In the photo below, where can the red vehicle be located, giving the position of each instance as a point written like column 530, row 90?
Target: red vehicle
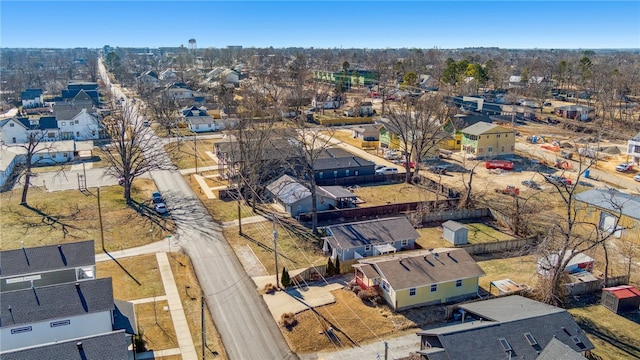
column 412, row 164
column 499, row 164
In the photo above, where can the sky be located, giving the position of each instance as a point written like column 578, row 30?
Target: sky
column 370, row 24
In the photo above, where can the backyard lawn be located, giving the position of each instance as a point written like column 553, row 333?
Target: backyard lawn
column 67, row 216
column 183, row 154
column 479, row 232
column 374, row 195
column 520, row 269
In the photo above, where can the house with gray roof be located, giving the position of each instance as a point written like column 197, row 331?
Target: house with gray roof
column 422, row 277
column 40, row 315
column 333, row 163
column 199, row 120
column 47, row 265
column 8, row 161
column 612, row 210
column 511, row 327
column 369, row 238
column 295, row 198
column 108, row 346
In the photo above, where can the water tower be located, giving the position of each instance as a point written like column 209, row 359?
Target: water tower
column 193, row 46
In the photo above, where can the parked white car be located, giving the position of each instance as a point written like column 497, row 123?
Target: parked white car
column 387, row 170
column 637, row 177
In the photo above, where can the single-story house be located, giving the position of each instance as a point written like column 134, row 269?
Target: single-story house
column 54, row 152
column 633, row 149
column 369, row 238
column 612, row 210
column 168, row 75
column 335, row 163
column 621, row 299
column 488, row 140
column 577, row 112
column 509, row 327
column 367, row 132
column 199, row 120
column 296, row 198
column 417, row 278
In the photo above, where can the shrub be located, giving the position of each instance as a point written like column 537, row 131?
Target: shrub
column 370, row 295
column 285, row 279
column 288, row 320
column 269, row 288
column 356, row 289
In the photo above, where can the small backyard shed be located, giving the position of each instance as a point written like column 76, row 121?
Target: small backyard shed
column 455, row 233
column 621, row 299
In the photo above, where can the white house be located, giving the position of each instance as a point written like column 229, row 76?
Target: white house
column 40, row 315
column 149, row 78
column 32, row 98
column 13, row 131
column 168, row 75
column 633, row 148
column 82, row 126
column 8, row 161
column 179, row 93
column 50, row 153
column 223, row 75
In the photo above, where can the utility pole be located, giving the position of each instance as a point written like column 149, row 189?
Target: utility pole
column 239, row 215
column 100, row 218
column 275, row 248
column 195, row 149
column 204, row 331
column 386, row 351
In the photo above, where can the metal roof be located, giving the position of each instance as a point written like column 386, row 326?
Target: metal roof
column 288, row 190
column 612, row 200
column 481, row 128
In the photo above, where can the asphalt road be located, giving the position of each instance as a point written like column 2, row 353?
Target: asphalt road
column 239, row 313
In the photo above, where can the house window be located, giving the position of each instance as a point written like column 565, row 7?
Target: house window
column 498, row 136
column 480, row 150
column 385, row 285
column 335, row 173
column 60, row 323
column 434, row 287
column 457, row 142
column 209, row 125
column 320, row 175
column 77, row 121
column 51, row 135
column 65, row 155
column 13, row 140
column 506, row 135
column 78, row 133
column 458, row 283
column 346, row 173
column 487, row 136
column 490, row 149
column 511, row 147
column 21, row 330
column 412, row 292
column 355, row 173
column 11, row 124
column 404, row 242
column 502, row 149
column 367, row 248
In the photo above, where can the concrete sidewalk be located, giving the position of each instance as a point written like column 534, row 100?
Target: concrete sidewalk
column 183, row 334
column 171, row 244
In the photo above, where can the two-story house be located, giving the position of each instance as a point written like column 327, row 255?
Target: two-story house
column 485, row 140
column 633, row 149
column 422, row 277
column 32, row 98
column 54, row 307
column 613, row 211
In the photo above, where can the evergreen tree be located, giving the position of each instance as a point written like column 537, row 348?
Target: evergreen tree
column 330, row 268
column 285, row 279
column 336, row 270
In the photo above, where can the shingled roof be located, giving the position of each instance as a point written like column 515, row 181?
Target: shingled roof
column 109, row 346
column 511, row 326
column 55, row 301
column 46, row 258
column 371, row 232
column 420, row 268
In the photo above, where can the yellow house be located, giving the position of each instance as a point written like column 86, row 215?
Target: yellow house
column 419, row 278
column 612, row 210
column 488, row 140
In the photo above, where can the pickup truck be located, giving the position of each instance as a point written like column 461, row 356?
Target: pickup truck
column 624, row 167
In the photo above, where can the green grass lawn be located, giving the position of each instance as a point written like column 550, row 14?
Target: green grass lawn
column 67, row 216
column 521, row 269
column 479, row 232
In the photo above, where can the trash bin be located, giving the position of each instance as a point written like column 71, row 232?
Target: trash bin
column 587, row 173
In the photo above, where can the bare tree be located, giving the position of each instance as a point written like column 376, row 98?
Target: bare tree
column 134, row 149
column 570, row 234
column 418, row 127
column 164, row 109
column 36, row 152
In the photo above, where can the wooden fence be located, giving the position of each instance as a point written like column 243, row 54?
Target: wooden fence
column 442, row 216
column 355, row 214
column 362, row 179
column 437, row 187
column 589, row 287
column 523, row 245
